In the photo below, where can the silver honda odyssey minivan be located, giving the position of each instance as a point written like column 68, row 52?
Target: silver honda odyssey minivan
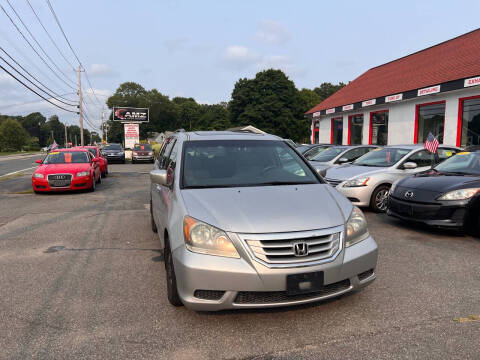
column 245, row 221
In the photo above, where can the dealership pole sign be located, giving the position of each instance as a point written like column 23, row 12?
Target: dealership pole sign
column 131, row 114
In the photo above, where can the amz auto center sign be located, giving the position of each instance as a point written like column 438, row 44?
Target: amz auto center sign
column 129, row 114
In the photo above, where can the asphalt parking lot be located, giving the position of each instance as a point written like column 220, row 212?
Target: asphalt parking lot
column 82, row 276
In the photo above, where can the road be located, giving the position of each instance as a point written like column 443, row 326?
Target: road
column 82, row 277
column 10, row 164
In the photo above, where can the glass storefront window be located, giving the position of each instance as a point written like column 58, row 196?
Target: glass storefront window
column 470, row 122
column 430, row 118
column 355, row 127
column 379, row 128
column 337, row 131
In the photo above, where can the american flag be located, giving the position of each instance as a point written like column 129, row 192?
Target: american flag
column 431, row 144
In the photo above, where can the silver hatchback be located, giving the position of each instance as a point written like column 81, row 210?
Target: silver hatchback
column 245, row 221
column 367, row 181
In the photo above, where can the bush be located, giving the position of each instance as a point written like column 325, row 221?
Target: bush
column 13, row 137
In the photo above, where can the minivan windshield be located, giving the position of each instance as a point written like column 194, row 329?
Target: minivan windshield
column 233, row 163
column 328, row 154
column 462, row 163
column 382, row 157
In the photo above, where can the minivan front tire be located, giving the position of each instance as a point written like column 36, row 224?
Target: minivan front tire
column 172, row 290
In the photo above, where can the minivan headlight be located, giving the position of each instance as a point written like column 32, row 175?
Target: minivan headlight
column 357, row 182
column 356, row 227
column 461, row 194
column 206, row 239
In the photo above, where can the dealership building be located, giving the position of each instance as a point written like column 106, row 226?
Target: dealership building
column 434, row 90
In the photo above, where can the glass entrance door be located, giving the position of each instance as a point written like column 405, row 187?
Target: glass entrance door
column 337, row 131
column 379, row 128
column 470, row 132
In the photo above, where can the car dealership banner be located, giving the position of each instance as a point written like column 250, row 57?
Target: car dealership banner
column 130, row 114
column 132, row 135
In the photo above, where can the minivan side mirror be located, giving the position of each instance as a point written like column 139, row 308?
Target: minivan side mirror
column 410, row 165
column 342, row 160
column 158, row 177
column 39, row 161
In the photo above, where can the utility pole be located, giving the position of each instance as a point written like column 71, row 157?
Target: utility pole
column 103, row 117
column 80, row 107
column 66, row 138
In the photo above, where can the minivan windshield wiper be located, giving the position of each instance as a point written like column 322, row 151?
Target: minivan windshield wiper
column 269, row 183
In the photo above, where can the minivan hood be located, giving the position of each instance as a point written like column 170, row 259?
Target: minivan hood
column 348, row 171
column 268, row 209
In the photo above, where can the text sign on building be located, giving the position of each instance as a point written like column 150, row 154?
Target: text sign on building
column 429, row 90
column 395, row 97
column 316, row 114
column 129, row 114
column 369, row 102
column 472, row 81
column 330, row 111
column 347, row 107
column 132, row 135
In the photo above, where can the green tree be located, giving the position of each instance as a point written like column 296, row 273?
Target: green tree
column 327, row 89
column 12, row 135
column 34, row 123
column 309, row 99
column 270, row 102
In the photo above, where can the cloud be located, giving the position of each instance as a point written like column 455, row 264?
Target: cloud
column 239, row 57
column 282, row 62
column 272, row 32
column 101, row 70
column 175, row 44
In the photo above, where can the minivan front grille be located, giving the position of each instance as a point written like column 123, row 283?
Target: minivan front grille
column 333, row 182
column 294, row 249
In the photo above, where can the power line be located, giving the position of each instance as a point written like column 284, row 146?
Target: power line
column 27, row 102
column 31, row 82
column 29, row 88
column 40, row 46
column 33, row 48
column 16, row 62
column 71, row 48
column 49, row 36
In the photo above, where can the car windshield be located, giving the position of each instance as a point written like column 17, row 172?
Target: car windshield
column 222, row 163
column 63, row 157
column 382, row 157
column 328, row 154
column 463, row 163
column 142, row 147
column 93, row 152
column 313, row 152
column 113, row 147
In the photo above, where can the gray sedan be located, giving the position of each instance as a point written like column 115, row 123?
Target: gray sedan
column 337, row 155
column 367, row 181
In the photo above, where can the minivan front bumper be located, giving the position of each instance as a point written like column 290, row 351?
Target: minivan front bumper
column 211, row 283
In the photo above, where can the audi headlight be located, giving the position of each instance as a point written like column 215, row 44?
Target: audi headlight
column 461, row 194
column 356, row 227
column 357, row 182
column 83, row 173
column 207, row 239
column 38, row 176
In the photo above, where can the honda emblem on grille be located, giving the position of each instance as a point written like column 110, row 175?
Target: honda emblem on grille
column 300, row 249
column 409, row 194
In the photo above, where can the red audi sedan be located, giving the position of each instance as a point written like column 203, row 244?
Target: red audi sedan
column 103, row 162
column 67, row 169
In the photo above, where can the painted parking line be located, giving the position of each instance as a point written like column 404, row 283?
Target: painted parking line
column 19, row 171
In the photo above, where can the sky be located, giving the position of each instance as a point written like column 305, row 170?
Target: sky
column 200, row 49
